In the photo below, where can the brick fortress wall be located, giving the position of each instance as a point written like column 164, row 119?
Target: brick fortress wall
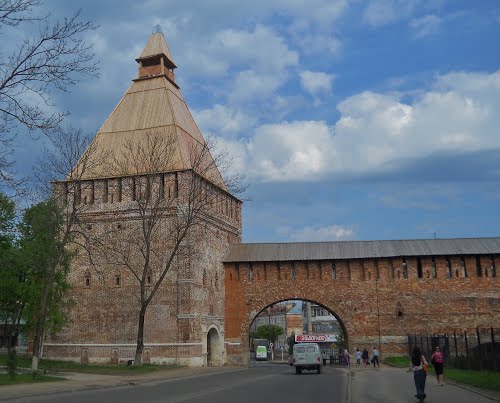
column 187, row 305
column 377, row 301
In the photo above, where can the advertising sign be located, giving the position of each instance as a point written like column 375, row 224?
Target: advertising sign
column 314, row 338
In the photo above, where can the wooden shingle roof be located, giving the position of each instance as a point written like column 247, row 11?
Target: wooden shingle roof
column 300, row 251
column 151, row 105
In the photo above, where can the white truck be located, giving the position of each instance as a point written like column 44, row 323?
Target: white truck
column 307, row 356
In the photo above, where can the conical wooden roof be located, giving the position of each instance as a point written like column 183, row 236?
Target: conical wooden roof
column 152, row 104
column 157, row 45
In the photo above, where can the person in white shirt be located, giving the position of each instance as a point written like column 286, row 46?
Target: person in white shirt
column 358, row 358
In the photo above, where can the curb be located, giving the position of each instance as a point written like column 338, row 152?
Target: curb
column 116, row 384
column 478, row 391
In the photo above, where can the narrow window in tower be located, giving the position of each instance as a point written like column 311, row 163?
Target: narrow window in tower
column 434, row 268
column 334, row 271
column 448, row 267
column 92, row 192
column 133, row 188
column 479, row 270
column 493, row 267
column 377, row 271
column 362, row 266
column 118, row 280
column 293, row 272
column 405, row 268
column 250, row 272
column 120, row 190
column 149, row 180
column 204, row 278
column 419, row 267
column 161, row 190
column 105, row 191
column 66, row 192
column 78, row 193
column 176, row 185
column 464, row 267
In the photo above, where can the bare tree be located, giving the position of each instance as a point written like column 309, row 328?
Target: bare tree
column 170, row 206
column 53, row 60
column 72, row 152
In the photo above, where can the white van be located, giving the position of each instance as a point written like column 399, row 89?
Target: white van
column 306, row 356
column 261, row 353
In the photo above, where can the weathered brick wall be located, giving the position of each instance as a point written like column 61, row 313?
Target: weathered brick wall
column 377, row 301
column 189, row 302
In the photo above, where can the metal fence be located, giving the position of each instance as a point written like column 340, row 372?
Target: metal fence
column 478, row 349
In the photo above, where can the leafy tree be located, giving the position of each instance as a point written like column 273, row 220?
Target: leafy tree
column 45, row 260
column 269, row 332
column 11, row 300
column 290, row 341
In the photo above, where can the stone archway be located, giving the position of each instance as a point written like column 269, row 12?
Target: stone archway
column 214, row 350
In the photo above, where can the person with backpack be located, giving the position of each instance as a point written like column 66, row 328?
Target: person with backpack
column 419, row 367
column 365, row 356
column 437, row 360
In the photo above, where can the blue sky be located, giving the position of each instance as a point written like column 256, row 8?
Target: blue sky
column 351, row 119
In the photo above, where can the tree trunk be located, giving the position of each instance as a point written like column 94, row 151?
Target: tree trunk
column 40, row 324
column 140, row 337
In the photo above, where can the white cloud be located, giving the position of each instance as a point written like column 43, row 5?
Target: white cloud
column 377, row 132
column 250, row 85
column 315, row 234
column 222, row 120
column 425, row 26
column 291, row 151
column 261, row 50
column 382, row 12
column 316, row 82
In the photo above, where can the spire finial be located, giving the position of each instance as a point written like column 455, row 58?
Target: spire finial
column 157, row 29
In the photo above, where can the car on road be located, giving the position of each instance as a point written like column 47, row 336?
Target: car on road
column 307, row 356
column 261, row 353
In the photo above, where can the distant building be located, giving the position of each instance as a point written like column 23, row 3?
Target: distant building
column 285, row 315
column 320, row 322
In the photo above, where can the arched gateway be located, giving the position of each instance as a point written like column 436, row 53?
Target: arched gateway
column 380, row 290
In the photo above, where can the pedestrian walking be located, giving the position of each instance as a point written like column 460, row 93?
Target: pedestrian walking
column 358, row 358
column 365, row 356
column 419, row 369
column 375, row 357
column 347, row 358
column 437, row 360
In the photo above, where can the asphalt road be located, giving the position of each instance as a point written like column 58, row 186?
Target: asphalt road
column 262, row 383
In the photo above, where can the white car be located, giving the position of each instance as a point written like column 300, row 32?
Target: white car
column 307, row 356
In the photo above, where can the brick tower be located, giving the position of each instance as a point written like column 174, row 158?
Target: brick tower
column 150, row 151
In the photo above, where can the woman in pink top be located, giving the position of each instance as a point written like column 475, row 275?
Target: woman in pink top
column 437, row 359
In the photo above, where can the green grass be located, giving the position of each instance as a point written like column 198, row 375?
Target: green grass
column 5, row 379
column 480, row 379
column 67, row 366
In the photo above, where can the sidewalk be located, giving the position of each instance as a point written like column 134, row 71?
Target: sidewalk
column 80, row 381
column 395, row 385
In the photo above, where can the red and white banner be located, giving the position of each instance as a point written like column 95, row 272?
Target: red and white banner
column 315, row 338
